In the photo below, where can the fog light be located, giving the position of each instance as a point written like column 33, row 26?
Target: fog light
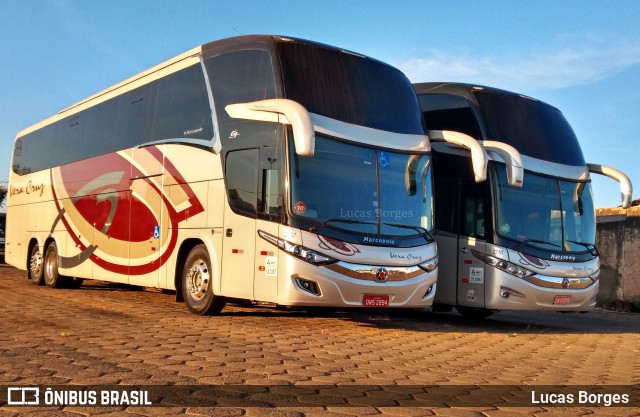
column 307, row 285
column 429, row 291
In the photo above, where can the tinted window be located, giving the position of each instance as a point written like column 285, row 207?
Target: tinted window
column 460, row 202
column 534, row 128
column 240, row 77
column 448, row 112
column 242, row 180
column 271, row 201
column 135, row 112
column 176, row 106
column 182, row 107
column 348, row 87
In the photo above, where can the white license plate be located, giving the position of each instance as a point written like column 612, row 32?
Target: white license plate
column 376, row 301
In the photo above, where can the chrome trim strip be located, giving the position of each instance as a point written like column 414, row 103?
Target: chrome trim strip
column 570, row 172
column 368, row 272
column 563, row 283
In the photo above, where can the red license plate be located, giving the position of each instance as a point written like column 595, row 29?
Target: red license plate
column 376, row 301
column 562, row 300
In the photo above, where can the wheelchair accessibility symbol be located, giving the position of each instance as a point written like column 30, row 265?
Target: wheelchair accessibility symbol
column 156, row 232
column 383, row 159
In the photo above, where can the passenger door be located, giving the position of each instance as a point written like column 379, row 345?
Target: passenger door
column 270, row 206
column 471, row 270
column 239, row 235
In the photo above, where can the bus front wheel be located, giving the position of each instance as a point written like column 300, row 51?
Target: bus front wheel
column 197, row 283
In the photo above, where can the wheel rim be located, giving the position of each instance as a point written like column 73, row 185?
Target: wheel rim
column 50, row 266
column 35, row 265
column 198, row 280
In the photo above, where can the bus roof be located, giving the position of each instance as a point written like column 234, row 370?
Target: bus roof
column 465, row 90
column 174, row 64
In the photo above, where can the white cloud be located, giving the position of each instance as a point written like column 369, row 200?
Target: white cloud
column 570, row 61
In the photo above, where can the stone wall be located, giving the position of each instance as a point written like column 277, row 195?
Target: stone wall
column 618, row 240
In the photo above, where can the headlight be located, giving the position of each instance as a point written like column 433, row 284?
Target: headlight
column 299, row 251
column 430, row 265
column 501, row 264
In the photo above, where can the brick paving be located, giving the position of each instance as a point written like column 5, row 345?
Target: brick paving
column 112, row 335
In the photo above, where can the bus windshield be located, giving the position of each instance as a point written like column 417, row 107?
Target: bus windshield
column 359, row 90
column 362, row 189
column 534, row 128
column 548, row 213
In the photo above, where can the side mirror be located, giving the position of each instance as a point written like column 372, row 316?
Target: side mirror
column 511, row 156
column 626, row 189
column 479, row 157
column 270, row 110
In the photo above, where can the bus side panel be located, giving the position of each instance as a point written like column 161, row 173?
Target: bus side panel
column 172, row 273
column 194, row 190
column 447, row 290
column 265, row 285
column 215, row 220
column 16, row 243
column 190, row 227
column 31, row 214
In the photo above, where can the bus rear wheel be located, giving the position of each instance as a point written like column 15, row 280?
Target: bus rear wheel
column 52, row 277
column 35, row 266
column 197, row 283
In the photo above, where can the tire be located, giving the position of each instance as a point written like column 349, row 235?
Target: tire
column 197, row 284
column 52, row 277
column 475, row 313
column 36, row 266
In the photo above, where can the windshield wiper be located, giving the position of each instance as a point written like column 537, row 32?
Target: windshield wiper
column 590, row 246
column 527, row 241
column 419, row 229
column 339, row 220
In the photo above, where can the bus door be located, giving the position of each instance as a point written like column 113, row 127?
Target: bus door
column 239, row 234
column 471, row 270
column 250, row 263
column 270, row 206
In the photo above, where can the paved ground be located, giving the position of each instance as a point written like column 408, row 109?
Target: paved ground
column 100, row 335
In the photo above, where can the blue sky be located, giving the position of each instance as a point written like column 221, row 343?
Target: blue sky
column 580, row 56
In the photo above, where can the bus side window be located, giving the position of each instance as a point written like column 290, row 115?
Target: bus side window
column 242, row 181
column 182, row 108
column 270, row 198
column 474, row 217
column 472, row 198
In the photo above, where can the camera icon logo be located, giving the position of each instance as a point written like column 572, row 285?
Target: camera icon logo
column 23, row 396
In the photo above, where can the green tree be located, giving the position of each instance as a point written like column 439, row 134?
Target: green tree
column 3, row 194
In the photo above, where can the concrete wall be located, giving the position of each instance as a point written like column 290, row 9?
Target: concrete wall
column 618, row 240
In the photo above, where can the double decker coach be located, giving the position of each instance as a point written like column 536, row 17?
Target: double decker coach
column 524, row 238
column 262, row 168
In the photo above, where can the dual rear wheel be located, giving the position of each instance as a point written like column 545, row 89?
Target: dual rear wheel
column 44, row 269
column 197, row 278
